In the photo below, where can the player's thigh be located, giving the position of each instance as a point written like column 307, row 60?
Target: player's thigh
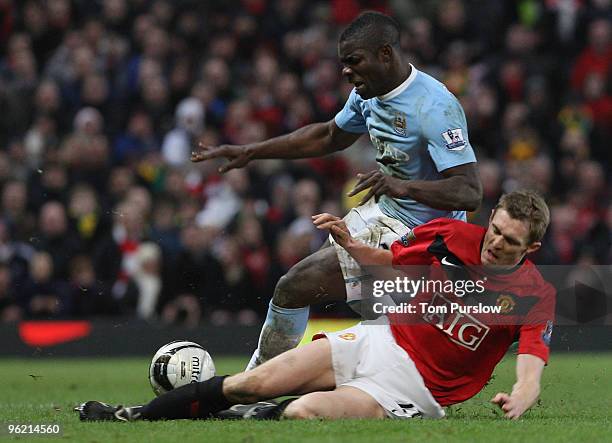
column 343, row 402
column 298, row 371
column 315, row 279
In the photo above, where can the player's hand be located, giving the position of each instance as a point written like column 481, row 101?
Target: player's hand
column 379, row 184
column 512, row 405
column 337, row 228
column 237, row 155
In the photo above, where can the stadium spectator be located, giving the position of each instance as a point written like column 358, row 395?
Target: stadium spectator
column 50, row 183
column 177, row 145
column 115, row 256
column 194, row 278
column 595, row 59
column 165, row 228
column 14, row 210
column 138, row 140
column 148, row 279
column 86, row 217
column 56, row 238
column 44, row 295
column 87, row 296
column 239, row 284
column 15, row 255
column 10, row 311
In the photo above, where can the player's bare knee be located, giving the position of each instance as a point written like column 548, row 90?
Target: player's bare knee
column 282, row 292
column 288, row 293
column 302, row 408
column 314, row 279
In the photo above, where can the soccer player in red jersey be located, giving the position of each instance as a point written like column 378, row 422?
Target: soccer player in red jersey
column 404, row 364
column 457, row 356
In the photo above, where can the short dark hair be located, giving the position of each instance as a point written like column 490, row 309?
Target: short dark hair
column 527, row 205
column 374, row 30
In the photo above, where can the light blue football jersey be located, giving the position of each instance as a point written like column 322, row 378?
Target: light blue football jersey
column 418, row 130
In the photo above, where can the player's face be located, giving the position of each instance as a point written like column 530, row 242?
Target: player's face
column 506, row 241
column 362, row 68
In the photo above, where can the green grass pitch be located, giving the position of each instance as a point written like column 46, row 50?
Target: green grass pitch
column 575, row 406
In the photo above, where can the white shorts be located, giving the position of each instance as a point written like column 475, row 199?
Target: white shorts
column 367, row 357
column 370, row 225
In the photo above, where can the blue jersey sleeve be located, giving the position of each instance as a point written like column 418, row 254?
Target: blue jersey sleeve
column 445, row 129
column 350, row 118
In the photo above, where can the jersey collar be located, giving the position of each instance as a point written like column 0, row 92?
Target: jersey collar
column 402, row 87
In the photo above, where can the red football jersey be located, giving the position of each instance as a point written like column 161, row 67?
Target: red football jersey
column 456, row 352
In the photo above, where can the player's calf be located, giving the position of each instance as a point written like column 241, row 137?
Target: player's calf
column 248, row 387
column 315, row 279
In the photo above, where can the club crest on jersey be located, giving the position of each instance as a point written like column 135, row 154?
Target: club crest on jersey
column 506, row 303
column 454, row 139
column 399, row 123
column 547, row 332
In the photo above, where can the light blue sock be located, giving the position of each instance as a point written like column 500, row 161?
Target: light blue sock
column 282, row 330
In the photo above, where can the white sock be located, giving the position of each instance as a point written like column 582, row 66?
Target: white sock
column 282, row 330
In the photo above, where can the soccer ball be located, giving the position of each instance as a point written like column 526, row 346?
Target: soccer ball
column 179, row 363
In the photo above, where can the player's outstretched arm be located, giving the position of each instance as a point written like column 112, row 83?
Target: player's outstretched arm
column 312, row 140
column 526, row 390
column 364, row 254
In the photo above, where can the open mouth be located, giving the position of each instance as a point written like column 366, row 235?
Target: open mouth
column 490, row 255
column 359, row 85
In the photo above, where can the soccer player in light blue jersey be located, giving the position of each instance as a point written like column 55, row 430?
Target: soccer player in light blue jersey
column 427, row 169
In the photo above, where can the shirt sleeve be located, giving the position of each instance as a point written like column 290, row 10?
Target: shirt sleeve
column 411, row 248
column 536, row 330
column 445, row 129
column 350, row 118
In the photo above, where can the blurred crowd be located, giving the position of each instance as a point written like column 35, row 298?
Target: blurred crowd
column 102, row 102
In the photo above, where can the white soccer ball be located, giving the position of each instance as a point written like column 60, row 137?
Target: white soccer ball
column 179, row 363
